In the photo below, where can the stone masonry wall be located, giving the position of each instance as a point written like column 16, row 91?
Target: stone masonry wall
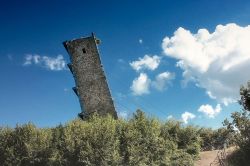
column 91, row 85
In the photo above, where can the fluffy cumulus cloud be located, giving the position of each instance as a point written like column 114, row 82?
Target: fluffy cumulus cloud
column 162, row 80
column 56, row 64
column 209, row 110
column 217, row 61
column 147, row 62
column 186, row 116
column 141, row 85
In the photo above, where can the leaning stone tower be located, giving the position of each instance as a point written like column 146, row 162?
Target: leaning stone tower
column 91, row 85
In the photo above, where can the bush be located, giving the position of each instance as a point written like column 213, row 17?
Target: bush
column 25, row 145
column 207, row 139
column 185, row 138
column 181, row 158
column 240, row 127
column 101, row 141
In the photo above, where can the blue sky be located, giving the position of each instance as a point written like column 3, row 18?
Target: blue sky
column 36, row 86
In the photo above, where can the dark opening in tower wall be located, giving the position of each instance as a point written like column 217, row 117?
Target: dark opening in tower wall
column 84, row 50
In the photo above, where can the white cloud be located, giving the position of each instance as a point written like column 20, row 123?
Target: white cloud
column 187, row 116
column 140, row 41
column 209, row 110
column 217, row 61
column 55, row 64
column 162, row 80
column 123, row 114
column 147, row 62
column 141, row 85
column 170, row 117
column 210, row 95
column 28, row 60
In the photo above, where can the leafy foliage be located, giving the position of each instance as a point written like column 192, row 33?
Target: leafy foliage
column 215, row 139
column 240, row 127
column 101, row 141
column 24, row 145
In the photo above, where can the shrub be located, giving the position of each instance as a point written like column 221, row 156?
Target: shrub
column 207, row 139
column 240, row 127
column 181, row 158
column 25, row 145
column 140, row 140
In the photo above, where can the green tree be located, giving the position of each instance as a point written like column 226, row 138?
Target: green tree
column 25, row 145
column 241, row 129
column 141, row 143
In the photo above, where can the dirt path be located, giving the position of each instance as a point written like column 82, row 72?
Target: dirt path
column 207, row 157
